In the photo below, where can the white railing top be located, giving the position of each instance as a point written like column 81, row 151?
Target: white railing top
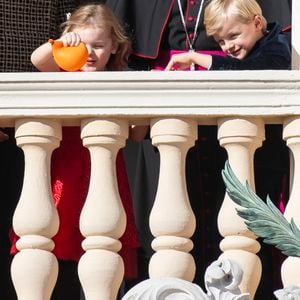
column 146, row 94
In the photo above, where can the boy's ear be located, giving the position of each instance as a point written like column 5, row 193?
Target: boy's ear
column 258, row 21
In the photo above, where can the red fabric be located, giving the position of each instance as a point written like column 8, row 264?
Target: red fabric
column 284, row 195
column 287, row 28
column 70, row 174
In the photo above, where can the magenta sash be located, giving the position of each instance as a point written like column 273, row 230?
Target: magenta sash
column 164, row 57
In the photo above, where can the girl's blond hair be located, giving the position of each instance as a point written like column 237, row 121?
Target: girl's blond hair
column 218, row 11
column 100, row 16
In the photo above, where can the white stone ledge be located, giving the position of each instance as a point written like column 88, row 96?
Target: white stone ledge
column 270, row 94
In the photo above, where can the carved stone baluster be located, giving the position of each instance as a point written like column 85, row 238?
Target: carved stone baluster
column 290, row 270
column 103, row 218
column 240, row 138
column 172, row 221
column 34, row 269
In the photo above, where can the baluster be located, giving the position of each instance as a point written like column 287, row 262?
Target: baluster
column 103, row 219
column 172, row 221
column 240, row 138
column 34, row 269
column 290, row 270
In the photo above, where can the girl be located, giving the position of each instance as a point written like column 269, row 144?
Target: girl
column 98, row 28
column 108, row 47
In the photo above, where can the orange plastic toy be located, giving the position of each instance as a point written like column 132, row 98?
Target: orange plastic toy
column 69, row 58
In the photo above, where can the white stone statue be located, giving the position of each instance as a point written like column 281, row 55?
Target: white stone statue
column 289, row 293
column 222, row 278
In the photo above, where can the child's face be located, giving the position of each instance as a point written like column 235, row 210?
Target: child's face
column 237, row 39
column 100, row 46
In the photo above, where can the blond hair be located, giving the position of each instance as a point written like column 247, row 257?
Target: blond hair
column 100, row 16
column 218, row 11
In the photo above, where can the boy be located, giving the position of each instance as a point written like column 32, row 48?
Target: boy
column 243, row 34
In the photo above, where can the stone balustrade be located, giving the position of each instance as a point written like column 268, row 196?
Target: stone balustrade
column 173, row 104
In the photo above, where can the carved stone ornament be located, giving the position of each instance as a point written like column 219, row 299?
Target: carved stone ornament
column 289, row 293
column 264, row 219
column 222, row 278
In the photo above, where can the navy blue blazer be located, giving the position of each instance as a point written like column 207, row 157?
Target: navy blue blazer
column 272, row 52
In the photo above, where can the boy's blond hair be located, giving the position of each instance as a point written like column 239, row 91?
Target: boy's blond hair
column 218, row 11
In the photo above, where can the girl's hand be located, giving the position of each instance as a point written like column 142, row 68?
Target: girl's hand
column 180, row 61
column 70, row 39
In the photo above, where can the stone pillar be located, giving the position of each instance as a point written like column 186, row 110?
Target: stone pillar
column 240, row 137
column 103, row 219
column 172, row 221
column 34, row 269
column 290, row 270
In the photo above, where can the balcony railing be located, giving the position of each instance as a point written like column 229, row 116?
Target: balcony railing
column 104, row 104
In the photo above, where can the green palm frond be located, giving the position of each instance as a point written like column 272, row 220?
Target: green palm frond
column 264, row 219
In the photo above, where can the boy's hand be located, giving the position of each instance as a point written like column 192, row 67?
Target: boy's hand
column 183, row 61
column 70, row 39
column 180, row 61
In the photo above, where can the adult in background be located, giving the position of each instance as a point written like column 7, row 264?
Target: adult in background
column 24, row 26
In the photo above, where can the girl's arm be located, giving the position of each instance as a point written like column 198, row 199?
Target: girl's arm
column 184, row 60
column 42, row 57
column 43, row 60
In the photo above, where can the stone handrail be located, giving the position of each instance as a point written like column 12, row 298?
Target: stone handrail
column 149, row 94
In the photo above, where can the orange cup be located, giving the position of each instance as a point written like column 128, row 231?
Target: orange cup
column 71, row 58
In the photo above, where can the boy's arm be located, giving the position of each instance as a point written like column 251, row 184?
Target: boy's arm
column 266, row 61
column 272, row 55
column 184, row 60
column 269, row 61
column 43, row 60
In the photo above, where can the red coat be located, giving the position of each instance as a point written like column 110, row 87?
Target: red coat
column 70, row 174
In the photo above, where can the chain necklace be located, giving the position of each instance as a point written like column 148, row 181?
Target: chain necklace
column 191, row 42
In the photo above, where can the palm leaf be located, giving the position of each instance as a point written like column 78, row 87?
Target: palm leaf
column 264, row 219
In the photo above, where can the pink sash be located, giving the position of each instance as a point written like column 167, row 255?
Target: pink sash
column 164, row 57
